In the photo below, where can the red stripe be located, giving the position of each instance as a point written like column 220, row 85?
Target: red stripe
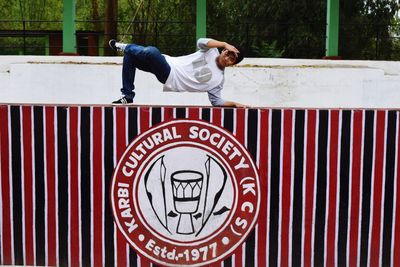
column 355, row 187
column 121, row 145
column 216, row 116
column 74, row 186
column 97, row 190
column 396, row 241
column 240, row 127
column 144, row 119
column 51, row 203
column 194, row 113
column 377, row 193
column 286, row 185
column 28, row 184
column 240, row 124
column 263, row 171
column 332, row 187
column 168, row 114
column 6, row 247
column 309, row 194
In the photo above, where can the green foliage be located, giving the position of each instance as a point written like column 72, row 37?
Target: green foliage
column 267, row 28
column 265, row 49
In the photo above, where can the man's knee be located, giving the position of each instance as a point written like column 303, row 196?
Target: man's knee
column 151, row 51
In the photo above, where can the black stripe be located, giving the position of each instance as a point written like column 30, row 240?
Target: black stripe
column 228, row 262
column 252, row 144
column 228, row 119
column 298, row 187
column 320, row 204
column 274, row 189
column 85, row 186
column 132, row 257
column 155, row 116
column 108, row 170
column 389, row 187
column 39, row 186
column 344, row 181
column 180, row 113
column 205, row 114
column 62, row 161
column 16, row 183
column 366, row 185
column 132, row 123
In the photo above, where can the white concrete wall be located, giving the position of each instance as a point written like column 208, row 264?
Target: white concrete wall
column 257, row 82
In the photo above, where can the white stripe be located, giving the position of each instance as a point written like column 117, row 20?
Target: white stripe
column 304, row 183
column 91, row 190
column 126, row 144
column 243, row 247
column 56, row 181
column 269, row 185
column 102, row 184
column 282, row 140
column 315, row 184
column 258, row 165
column 291, row 188
column 139, row 117
column 33, row 200
column 348, row 234
column 1, row 209
column 69, row 181
column 46, row 195
column 22, row 184
column 79, row 186
column 162, row 115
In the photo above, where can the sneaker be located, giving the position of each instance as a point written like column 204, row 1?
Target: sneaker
column 118, row 47
column 123, row 101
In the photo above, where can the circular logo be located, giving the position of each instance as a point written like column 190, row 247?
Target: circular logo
column 185, row 192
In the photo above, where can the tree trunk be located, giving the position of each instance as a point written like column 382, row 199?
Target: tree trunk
column 110, row 26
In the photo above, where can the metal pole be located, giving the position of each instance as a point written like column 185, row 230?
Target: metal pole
column 69, row 29
column 201, row 19
column 332, row 28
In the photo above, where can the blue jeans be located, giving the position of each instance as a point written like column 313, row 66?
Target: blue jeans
column 147, row 59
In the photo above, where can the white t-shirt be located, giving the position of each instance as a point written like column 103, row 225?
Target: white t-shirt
column 197, row 72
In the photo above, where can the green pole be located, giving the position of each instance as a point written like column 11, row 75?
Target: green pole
column 69, row 30
column 332, row 28
column 201, row 19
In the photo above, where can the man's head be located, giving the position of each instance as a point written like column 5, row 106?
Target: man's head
column 229, row 58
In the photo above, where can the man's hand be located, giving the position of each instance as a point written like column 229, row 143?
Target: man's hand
column 234, row 104
column 231, row 48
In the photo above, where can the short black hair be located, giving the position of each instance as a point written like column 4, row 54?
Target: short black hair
column 241, row 54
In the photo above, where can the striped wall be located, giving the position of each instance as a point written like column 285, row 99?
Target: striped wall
column 329, row 178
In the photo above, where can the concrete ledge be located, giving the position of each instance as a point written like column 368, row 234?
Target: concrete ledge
column 257, row 82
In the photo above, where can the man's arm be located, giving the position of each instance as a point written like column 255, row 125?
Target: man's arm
column 218, row 44
column 216, row 100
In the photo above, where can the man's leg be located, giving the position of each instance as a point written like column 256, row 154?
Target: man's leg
column 147, row 59
column 128, row 76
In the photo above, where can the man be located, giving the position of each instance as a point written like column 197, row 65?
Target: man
column 202, row 71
